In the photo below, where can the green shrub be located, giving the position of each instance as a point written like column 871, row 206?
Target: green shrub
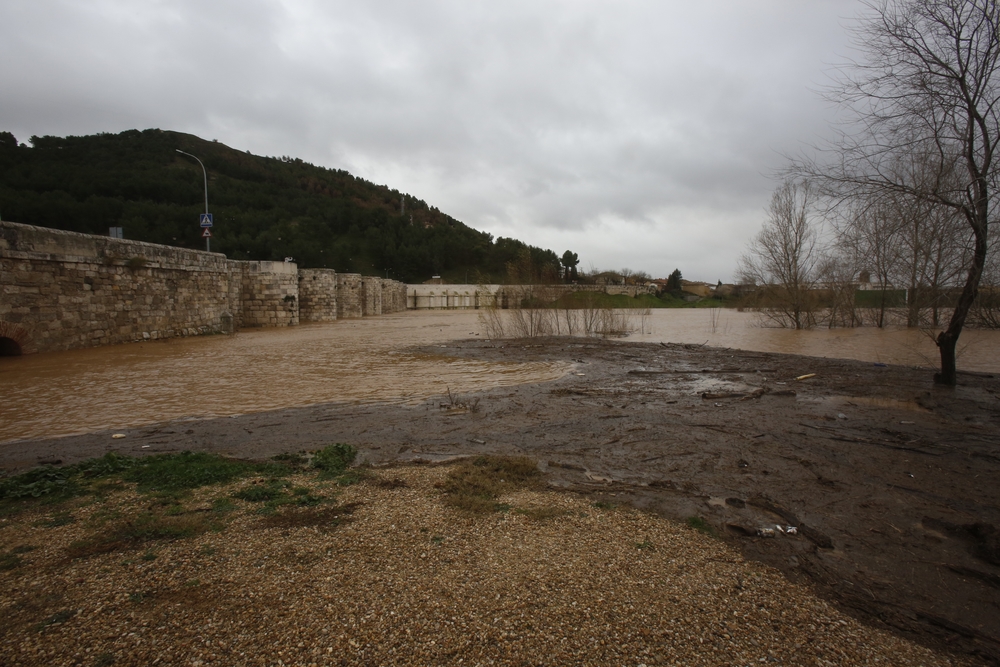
column 334, row 459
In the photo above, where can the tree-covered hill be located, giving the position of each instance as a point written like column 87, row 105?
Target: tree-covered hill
column 265, row 208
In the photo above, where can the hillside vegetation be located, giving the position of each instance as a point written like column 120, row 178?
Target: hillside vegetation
column 265, row 208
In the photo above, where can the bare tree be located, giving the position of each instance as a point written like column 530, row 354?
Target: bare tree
column 782, row 259
column 640, row 278
column 927, row 87
column 932, row 254
column 872, row 235
column 837, row 271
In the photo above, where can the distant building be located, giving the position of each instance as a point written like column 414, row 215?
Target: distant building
column 703, row 290
column 725, row 290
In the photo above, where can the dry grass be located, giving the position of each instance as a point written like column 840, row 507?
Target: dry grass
column 322, row 518
column 474, row 485
column 136, row 531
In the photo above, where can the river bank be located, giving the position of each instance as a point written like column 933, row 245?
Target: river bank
column 385, row 572
column 888, row 480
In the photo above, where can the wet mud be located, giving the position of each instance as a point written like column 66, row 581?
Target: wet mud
column 864, row 480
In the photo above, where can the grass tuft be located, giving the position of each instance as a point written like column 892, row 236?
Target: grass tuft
column 333, row 460
column 699, row 524
column 10, row 561
column 296, row 460
column 58, row 617
column 475, row 484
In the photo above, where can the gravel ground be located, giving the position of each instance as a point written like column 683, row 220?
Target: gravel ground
column 387, row 574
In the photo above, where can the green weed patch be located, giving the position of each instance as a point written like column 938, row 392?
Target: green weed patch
column 191, row 470
column 334, row 460
column 274, row 493
column 167, row 480
column 167, row 475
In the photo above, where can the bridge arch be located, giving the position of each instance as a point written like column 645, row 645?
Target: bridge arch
column 14, row 339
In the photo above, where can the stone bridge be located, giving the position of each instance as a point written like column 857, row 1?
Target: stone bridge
column 62, row 290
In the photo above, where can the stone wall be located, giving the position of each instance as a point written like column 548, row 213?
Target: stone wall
column 421, row 297
column 371, row 295
column 270, row 294
column 348, row 295
column 317, row 295
column 393, row 296
column 61, row 290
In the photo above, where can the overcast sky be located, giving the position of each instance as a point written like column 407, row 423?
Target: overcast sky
column 640, row 134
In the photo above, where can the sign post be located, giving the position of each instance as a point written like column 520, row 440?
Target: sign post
column 206, row 225
column 206, row 217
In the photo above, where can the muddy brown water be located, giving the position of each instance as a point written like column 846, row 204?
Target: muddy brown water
column 363, row 361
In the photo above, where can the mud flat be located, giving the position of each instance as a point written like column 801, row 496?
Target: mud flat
column 888, row 482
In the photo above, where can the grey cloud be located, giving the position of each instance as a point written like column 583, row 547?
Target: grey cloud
column 543, row 120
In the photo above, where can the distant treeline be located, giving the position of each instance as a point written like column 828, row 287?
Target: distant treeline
column 265, row 208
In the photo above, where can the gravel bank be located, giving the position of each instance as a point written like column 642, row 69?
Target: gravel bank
column 387, row 574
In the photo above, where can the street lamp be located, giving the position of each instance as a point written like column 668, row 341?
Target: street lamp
column 208, row 239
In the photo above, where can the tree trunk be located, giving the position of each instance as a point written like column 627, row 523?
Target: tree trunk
column 946, row 343
column 948, row 339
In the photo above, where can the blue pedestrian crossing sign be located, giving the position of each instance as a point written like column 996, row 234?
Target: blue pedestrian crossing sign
column 206, row 219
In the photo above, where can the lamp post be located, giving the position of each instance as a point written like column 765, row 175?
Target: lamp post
column 208, row 239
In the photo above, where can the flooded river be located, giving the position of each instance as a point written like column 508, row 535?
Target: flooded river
column 363, row 361
column 977, row 350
